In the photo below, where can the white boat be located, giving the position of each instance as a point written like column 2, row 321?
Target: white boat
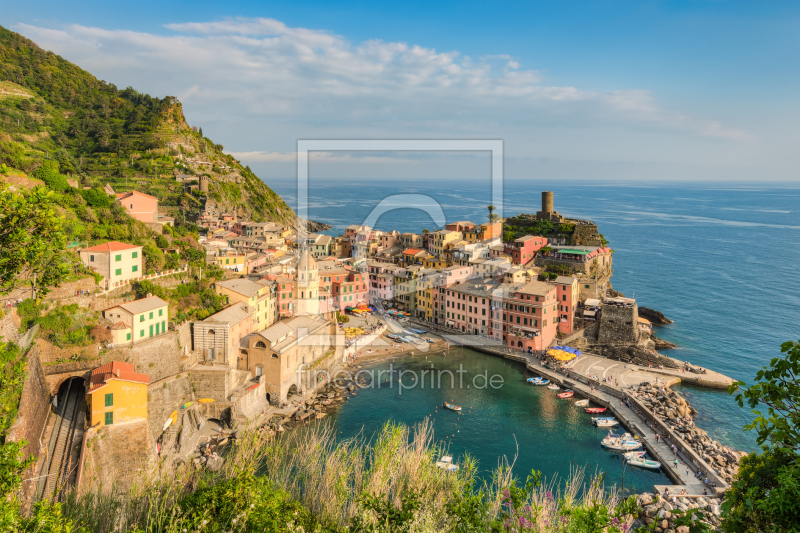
column 582, row 403
column 605, row 423
column 624, row 442
column 446, row 463
column 633, row 455
column 641, row 462
column 553, row 386
column 538, row 381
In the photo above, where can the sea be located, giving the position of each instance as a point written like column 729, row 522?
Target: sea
column 720, row 259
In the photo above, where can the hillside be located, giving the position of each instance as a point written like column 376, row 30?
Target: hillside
column 56, row 118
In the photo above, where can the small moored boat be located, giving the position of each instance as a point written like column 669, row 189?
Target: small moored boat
column 538, row 381
column 605, row 422
column 582, row 403
column 633, row 455
column 624, row 442
column 595, row 409
column 641, row 462
column 452, row 406
column 553, row 386
column 566, row 394
column 446, row 463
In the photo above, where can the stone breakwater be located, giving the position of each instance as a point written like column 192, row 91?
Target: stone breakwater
column 676, row 413
column 660, row 513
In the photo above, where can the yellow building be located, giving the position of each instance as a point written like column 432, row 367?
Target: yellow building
column 116, row 394
column 136, row 321
column 435, row 262
column 260, row 295
column 236, row 262
column 443, row 237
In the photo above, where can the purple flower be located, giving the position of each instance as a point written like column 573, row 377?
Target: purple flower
column 624, row 527
column 506, row 493
column 527, row 508
column 615, row 521
column 549, row 495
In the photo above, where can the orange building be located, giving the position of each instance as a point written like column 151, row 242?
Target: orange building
column 116, row 394
column 140, row 206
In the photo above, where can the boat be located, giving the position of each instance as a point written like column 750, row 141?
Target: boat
column 205, row 400
column 446, row 463
column 553, row 386
column 596, row 418
column 624, row 442
column 538, row 381
column 582, row 403
column 171, row 420
column 606, row 423
column 641, row 462
column 187, row 404
column 566, row 394
column 452, row 406
column 595, row 410
column 633, row 455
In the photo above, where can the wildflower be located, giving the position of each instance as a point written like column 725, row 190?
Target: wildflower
column 205, row 522
column 527, row 508
column 252, row 505
column 234, row 521
column 624, row 527
column 506, row 493
column 549, row 495
column 615, row 521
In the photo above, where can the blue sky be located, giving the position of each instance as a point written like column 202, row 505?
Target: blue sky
column 598, row 89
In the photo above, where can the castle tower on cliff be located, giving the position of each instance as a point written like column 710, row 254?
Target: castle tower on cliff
column 548, row 212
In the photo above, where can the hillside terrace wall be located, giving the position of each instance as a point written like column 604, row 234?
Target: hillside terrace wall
column 34, row 407
column 165, row 396
column 157, row 357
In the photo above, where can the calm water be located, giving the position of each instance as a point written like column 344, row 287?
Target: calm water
column 508, row 420
column 722, row 261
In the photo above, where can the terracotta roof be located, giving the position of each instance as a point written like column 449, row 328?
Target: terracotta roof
column 412, row 251
column 115, row 370
column 131, row 193
column 111, row 246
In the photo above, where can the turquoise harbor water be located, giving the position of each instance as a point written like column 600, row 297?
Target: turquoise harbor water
column 508, row 420
column 721, row 260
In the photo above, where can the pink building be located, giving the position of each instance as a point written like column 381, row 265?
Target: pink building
column 140, row 206
column 462, row 226
column 523, row 249
column 468, row 306
column 528, row 314
column 567, row 294
column 348, row 290
column 381, row 281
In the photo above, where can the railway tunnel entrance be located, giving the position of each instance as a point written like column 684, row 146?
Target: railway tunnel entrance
column 60, row 465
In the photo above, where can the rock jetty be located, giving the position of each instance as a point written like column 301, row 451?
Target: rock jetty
column 677, row 414
column 661, row 514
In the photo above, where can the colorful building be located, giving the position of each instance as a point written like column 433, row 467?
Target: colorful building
column 116, row 262
column 524, row 249
column 137, row 321
column 216, row 339
column 142, row 207
column 259, row 295
column 116, row 394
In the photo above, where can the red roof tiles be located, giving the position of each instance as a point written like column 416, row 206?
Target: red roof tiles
column 115, row 370
column 111, row 246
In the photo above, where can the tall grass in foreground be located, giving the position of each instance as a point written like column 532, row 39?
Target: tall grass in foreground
column 306, row 478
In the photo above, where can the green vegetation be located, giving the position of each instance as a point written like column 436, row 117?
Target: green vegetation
column 542, row 228
column 32, row 240
column 765, row 497
column 195, row 300
column 64, row 326
column 60, row 123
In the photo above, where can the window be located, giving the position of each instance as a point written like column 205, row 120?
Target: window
column 259, row 370
column 91, row 258
column 141, row 333
column 128, row 337
column 135, row 255
column 118, row 257
column 135, row 268
column 151, row 330
column 160, row 312
column 586, row 287
column 110, row 400
column 151, row 314
column 109, row 418
column 141, row 318
column 118, row 272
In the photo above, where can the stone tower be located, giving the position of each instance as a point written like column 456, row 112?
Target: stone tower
column 204, row 183
column 547, row 202
column 306, row 285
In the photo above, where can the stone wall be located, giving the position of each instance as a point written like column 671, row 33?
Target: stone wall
column 619, row 325
column 34, row 406
column 586, row 235
column 158, row 357
column 116, row 455
column 164, row 397
column 55, row 375
column 211, row 382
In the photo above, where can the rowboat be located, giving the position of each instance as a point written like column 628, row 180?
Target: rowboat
column 641, row 462
column 566, row 394
column 582, row 403
column 205, row 400
column 452, row 406
column 553, row 386
column 187, row 404
column 597, row 418
column 171, row 420
column 595, row 409
column 624, row 442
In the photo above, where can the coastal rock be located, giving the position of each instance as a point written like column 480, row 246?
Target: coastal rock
column 655, row 317
column 661, row 344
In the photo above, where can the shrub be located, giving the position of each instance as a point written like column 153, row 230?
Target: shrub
column 48, row 173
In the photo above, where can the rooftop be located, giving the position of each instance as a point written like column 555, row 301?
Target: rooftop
column 111, row 246
column 243, row 286
column 115, row 370
column 142, row 306
column 233, row 314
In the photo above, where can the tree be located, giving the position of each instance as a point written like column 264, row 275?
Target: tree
column 492, row 216
column 766, row 493
column 32, row 240
column 777, row 388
